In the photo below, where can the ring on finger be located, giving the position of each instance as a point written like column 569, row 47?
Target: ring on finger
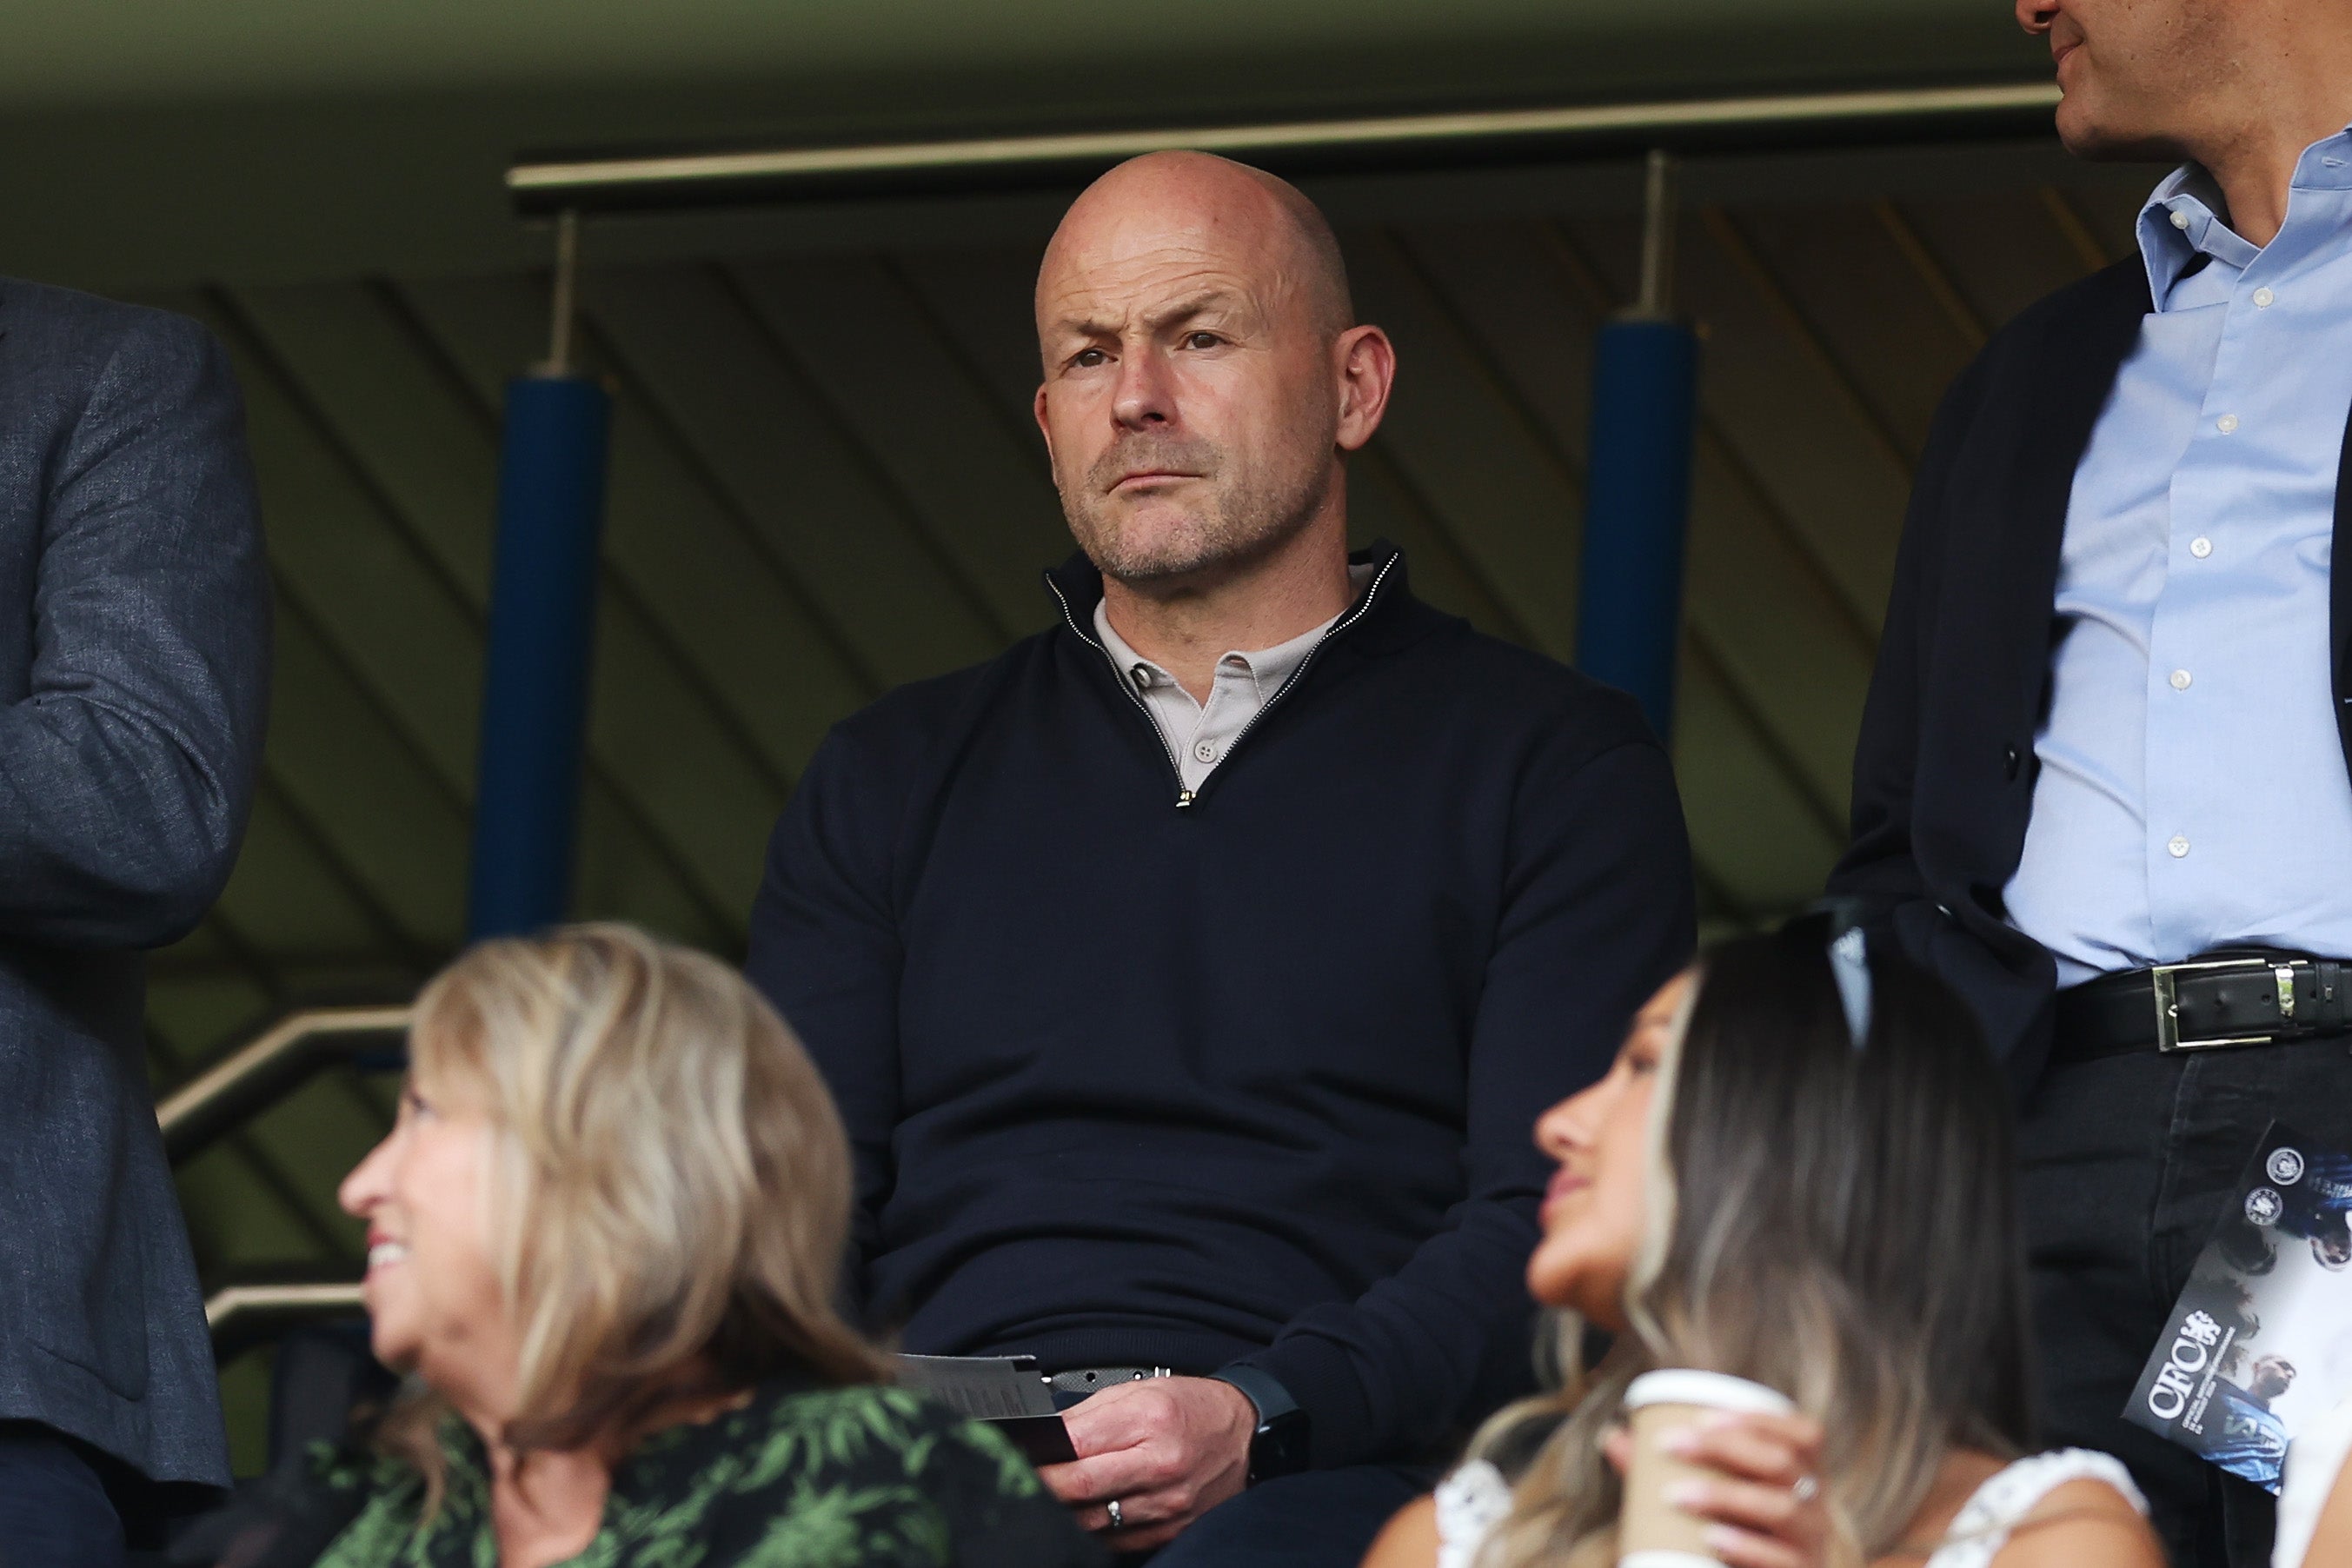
column 1116, row 1522
column 1806, row 1489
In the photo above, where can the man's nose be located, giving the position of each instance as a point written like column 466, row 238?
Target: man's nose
column 2036, row 15
column 1146, row 393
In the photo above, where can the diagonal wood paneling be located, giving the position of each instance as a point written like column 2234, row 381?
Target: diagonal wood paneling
column 1530, row 341
column 964, row 474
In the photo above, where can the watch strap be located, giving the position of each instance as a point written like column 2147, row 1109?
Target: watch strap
column 1262, row 1389
column 1278, row 1444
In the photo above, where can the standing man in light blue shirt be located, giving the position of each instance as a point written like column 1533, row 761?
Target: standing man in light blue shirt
column 2104, row 779
column 2191, row 708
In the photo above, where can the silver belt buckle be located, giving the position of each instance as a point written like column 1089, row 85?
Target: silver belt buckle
column 2167, row 1001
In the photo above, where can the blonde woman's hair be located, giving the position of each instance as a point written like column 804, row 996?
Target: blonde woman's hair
column 670, row 1185
column 1832, row 1218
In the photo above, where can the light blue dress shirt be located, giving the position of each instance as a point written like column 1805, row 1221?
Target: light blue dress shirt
column 2192, row 791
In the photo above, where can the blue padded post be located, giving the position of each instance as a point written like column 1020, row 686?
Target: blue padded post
column 535, row 682
column 1637, row 508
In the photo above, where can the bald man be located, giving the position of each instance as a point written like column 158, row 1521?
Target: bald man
column 1191, row 976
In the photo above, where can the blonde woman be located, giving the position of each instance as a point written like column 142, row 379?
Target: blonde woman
column 602, row 1238
column 1796, row 1172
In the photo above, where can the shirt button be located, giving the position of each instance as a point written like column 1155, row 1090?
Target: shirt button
column 2180, row 681
column 2176, row 847
column 2201, row 548
column 2264, row 298
column 2180, row 220
column 2227, row 423
column 1141, row 676
column 1205, row 750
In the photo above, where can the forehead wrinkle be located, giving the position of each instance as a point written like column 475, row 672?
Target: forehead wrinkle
column 1200, row 304
column 1097, row 305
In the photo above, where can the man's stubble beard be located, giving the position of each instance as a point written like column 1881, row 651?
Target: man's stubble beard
column 1248, row 516
column 2161, row 100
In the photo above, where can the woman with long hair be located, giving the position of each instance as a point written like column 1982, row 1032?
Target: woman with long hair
column 603, row 1242
column 1798, row 1173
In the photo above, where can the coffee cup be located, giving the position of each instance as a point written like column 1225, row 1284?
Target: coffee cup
column 1652, row 1533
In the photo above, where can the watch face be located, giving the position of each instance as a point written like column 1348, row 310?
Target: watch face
column 1279, row 1448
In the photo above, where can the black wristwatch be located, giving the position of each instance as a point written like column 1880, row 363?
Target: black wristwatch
column 1278, row 1446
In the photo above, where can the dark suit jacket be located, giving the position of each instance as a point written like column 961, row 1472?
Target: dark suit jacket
column 1943, row 775
column 134, row 658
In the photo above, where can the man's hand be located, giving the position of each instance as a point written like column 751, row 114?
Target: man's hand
column 1168, row 1450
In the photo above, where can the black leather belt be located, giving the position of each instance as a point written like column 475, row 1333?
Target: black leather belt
column 1070, row 1387
column 2234, row 998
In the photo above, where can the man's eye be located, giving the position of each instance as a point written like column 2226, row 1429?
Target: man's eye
column 1201, row 340
column 1087, row 359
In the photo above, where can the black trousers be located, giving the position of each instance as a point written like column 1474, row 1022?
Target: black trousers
column 54, row 1507
column 2126, row 1164
column 1323, row 1518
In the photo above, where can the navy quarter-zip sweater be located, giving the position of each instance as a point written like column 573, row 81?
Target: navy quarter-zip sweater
column 1133, row 1077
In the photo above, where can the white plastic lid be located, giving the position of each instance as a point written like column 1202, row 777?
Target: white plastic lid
column 1710, row 1390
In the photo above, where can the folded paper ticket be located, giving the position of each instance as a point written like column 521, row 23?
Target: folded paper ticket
column 1007, row 1391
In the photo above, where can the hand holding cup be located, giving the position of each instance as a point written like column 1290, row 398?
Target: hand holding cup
column 1719, row 1470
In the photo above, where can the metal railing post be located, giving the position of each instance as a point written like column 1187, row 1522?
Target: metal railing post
column 1637, row 486
column 543, row 624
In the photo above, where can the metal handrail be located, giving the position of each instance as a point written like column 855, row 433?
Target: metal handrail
column 240, row 1316
column 551, row 184
column 226, row 1306
column 279, row 1061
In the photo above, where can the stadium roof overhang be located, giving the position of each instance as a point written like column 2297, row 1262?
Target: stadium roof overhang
column 156, row 140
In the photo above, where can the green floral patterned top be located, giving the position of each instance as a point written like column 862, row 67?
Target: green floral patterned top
column 799, row 1477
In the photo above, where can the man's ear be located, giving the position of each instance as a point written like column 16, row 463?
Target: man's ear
column 1038, row 409
column 1364, row 362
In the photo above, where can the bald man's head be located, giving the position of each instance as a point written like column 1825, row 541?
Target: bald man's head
column 1214, row 204
column 1204, row 372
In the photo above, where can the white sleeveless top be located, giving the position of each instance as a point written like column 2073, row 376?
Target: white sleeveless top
column 1473, row 1500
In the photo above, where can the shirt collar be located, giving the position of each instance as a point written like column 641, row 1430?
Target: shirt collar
column 2180, row 221
column 1268, row 668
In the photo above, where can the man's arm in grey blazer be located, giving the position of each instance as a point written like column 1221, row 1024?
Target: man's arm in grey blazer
column 127, row 770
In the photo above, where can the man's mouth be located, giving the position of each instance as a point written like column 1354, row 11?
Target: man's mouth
column 383, row 1253
column 1150, row 477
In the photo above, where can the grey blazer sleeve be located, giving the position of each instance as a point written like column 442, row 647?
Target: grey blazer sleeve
column 127, row 767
